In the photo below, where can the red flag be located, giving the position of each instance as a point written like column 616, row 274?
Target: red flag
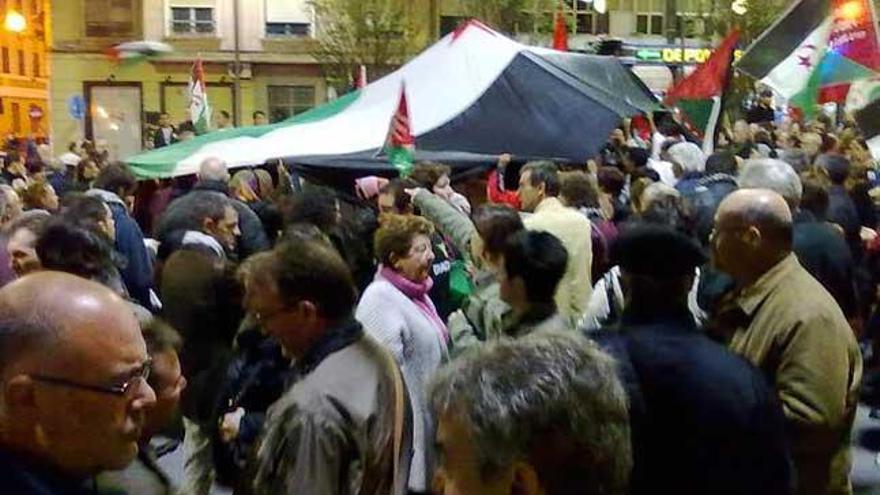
column 400, row 144
column 400, row 133
column 362, row 77
column 560, row 33
column 709, row 78
column 698, row 96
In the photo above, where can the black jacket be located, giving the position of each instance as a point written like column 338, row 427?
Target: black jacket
column 138, row 270
column 824, row 253
column 842, row 211
column 23, row 477
column 759, row 114
column 203, row 302
column 159, row 138
column 254, row 380
column 703, row 420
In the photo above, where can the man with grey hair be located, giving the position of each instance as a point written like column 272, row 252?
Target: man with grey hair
column 14, row 206
column 687, row 159
column 214, row 177
column 798, row 159
column 543, row 414
column 784, row 322
column 213, row 168
column 818, row 246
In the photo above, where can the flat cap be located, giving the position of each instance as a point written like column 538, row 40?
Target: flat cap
column 655, row 250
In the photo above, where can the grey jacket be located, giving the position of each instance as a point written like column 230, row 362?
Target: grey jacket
column 332, row 432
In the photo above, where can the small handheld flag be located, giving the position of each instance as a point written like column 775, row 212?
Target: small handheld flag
column 199, row 110
column 400, row 144
column 560, row 33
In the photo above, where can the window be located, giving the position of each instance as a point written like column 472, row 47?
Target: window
column 580, row 15
column 16, row 118
column 288, row 18
column 287, row 101
column 110, row 18
column 6, row 69
column 21, row 67
column 287, row 29
column 693, row 26
column 649, row 24
column 192, row 20
column 36, row 64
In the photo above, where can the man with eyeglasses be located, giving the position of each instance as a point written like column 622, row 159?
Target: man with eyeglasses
column 74, row 395
column 783, row 321
column 144, row 476
column 343, row 424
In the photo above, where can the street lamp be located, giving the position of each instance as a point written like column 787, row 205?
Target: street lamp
column 600, row 6
column 740, row 7
column 15, row 22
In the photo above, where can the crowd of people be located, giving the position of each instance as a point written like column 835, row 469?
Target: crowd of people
column 654, row 320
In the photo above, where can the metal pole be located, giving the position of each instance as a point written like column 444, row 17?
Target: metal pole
column 236, row 68
column 681, row 21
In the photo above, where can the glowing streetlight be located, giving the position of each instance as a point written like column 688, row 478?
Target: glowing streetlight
column 15, row 22
column 852, row 10
column 740, row 7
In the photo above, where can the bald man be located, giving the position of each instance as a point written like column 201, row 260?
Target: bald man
column 74, row 394
column 783, row 321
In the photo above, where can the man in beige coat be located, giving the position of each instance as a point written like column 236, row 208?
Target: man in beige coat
column 785, row 323
column 538, row 191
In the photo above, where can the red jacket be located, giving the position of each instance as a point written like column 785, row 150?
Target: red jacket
column 497, row 194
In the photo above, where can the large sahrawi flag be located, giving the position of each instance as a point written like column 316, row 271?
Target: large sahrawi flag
column 698, row 96
column 815, row 50
column 199, row 110
column 471, row 96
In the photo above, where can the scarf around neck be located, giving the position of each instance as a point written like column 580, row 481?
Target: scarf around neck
column 417, row 292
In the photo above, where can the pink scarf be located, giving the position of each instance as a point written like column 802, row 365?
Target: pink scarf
column 418, row 294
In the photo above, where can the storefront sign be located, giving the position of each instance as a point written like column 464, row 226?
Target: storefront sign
column 674, row 55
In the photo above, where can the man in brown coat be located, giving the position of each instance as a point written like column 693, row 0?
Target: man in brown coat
column 783, row 321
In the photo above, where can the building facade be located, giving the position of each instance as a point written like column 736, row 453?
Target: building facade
column 656, row 38
column 278, row 76
column 24, row 68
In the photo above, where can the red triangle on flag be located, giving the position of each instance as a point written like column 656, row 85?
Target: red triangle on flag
column 400, row 131
column 470, row 23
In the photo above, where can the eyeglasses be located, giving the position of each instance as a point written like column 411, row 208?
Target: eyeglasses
column 138, row 377
column 264, row 318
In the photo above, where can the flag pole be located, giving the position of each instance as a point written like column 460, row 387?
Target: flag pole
column 725, row 90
